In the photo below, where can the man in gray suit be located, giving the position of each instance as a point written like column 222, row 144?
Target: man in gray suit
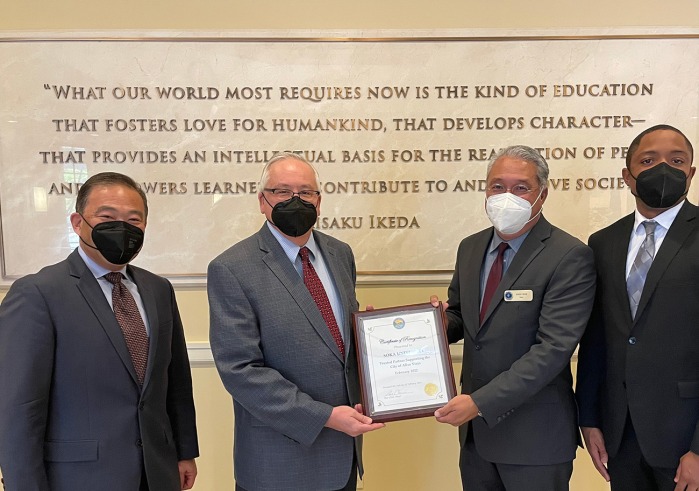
column 520, row 298
column 280, row 304
column 93, row 398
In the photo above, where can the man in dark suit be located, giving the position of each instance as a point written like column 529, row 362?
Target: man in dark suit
column 95, row 385
column 638, row 368
column 520, row 297
column 281, row 302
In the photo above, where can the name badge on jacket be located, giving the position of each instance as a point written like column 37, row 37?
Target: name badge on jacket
column 518, row 295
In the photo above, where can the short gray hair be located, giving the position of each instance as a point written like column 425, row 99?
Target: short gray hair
column 527, row 154
column 264, row 179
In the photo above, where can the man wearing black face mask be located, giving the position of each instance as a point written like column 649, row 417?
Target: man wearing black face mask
column 95, row 385
column 280, row 304
column 638, row 368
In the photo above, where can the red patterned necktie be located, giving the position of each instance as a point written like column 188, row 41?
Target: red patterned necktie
column 131, row 323
column 315, row 287
column 494, row 277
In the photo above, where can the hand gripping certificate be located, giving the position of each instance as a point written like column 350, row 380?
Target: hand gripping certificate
column 404, row 362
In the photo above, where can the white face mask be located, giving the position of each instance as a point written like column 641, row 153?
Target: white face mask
column 509, row 213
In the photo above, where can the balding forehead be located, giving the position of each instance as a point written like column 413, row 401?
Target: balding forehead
column 294, row 163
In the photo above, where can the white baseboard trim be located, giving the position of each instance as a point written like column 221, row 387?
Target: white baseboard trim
column 200, row 355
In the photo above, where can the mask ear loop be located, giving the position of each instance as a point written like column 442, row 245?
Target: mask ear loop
column 539, row 196
column 270, row 205
column 265, row 198
column 80, row 237
column 540, row 209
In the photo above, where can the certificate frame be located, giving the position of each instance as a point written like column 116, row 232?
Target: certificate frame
column 393, row 380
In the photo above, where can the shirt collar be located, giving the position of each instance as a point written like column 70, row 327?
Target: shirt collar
column 665, row 219
column 291, row 249
column 514, row 244
column 97, row 270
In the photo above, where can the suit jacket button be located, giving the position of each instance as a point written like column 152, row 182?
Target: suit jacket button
column 478, row 347
column 139, row 443
column 632, row 340
column 141, row 405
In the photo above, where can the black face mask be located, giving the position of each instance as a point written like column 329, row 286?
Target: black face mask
column 661, row 186
column 117, row 241
column 294, row 217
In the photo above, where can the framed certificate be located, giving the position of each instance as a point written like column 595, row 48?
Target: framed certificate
column 405, row 368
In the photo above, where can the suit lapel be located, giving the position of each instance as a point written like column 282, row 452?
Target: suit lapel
column 618, row 256
column 530, row 248
column 680, row 229
column 91, row 291
column 471, row 268
column 150, row 306
column 337, row 273
column 277, row 261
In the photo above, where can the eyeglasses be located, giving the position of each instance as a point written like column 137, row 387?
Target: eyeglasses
column 517, row 189
column 284, row 194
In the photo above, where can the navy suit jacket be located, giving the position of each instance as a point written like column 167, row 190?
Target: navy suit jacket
column 72, row 414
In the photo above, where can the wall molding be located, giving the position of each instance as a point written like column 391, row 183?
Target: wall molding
column 200, row 355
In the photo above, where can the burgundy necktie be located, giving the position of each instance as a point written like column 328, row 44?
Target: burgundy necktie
column 494, row 277
column 315, row 287
column 131, row 323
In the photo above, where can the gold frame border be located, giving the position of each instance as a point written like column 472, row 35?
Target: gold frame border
column 338, row 39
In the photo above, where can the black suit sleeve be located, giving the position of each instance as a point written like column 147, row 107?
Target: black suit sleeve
column 455, row 328
column 27, row 345
column 591, row 371
column 180, row 403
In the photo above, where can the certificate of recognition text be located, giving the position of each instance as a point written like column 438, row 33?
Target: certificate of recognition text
column 403, row 361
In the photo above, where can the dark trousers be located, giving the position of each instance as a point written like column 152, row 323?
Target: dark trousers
column 144, row 482
column 629, row 470
column 478, row 474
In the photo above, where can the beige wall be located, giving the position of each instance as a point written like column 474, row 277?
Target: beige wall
column 412, row 455
column 363, row 14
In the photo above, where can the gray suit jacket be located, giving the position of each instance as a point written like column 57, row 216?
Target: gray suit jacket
column 72, row 415
column 517, row 363
column 277, row 358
